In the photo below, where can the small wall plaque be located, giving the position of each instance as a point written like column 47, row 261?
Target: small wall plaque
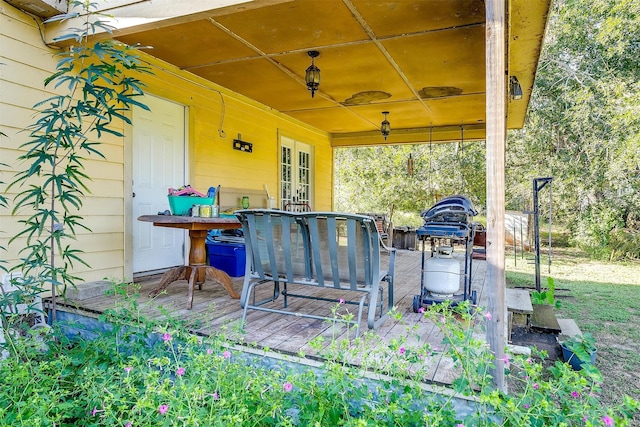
column 242, row 146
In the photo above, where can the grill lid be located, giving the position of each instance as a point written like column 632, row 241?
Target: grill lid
column 452, row 209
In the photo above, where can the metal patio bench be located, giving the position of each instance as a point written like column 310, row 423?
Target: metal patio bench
column 325, row 250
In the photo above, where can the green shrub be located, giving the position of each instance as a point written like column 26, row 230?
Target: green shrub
column 624, row 244
column 142, row 372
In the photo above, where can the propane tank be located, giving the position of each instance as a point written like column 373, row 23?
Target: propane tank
column 442, row 273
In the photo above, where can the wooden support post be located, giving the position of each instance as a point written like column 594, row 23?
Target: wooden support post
column 496, row 140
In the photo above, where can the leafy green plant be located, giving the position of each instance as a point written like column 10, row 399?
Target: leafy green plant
column 547, row 296
column 150, row 372
column 582, row 345
column 3, row 203
column 624, row 244
column 99, row 84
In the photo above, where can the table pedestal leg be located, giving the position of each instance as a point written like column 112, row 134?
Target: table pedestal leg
column 197, row 271
column 222, row 278
column 213, row 274
column 192, row 273
column 178, row 273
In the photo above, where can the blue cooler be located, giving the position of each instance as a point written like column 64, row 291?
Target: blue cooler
column 228, row 257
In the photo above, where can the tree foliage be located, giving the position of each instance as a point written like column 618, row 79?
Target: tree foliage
column 377, row 179
column 583, row 124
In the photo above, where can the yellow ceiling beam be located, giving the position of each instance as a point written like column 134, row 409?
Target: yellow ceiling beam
column 440, row 134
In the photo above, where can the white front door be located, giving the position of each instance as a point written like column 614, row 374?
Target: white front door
column 158, row 164
column 296, row 174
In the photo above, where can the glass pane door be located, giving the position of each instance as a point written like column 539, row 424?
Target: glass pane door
column 296, row 175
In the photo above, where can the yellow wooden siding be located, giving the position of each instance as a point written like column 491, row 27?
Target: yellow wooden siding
column 212, row 160
column 27, row 63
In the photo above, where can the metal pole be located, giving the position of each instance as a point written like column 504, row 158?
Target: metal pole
column 515, row 244
column 536, row 223
column 521, row 240
column 550, row 220
column 536, row 232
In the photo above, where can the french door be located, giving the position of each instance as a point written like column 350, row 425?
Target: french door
column 296, row 175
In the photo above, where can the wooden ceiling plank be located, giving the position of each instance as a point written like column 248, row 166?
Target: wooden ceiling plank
column 421, row 60
column 130, row 17
column 384, row 51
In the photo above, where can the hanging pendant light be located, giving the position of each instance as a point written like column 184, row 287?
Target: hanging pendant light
column 385, row 126
column 312, row 74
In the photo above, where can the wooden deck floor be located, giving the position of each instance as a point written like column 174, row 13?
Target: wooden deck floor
column 213, row 309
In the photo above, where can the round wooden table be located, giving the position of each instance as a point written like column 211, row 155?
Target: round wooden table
column 197, row 271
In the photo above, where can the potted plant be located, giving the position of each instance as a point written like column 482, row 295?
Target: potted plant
column 579, row 349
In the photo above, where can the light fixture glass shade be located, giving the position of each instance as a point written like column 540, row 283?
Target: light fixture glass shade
column 312, row 74
column 515, row 90
column 385, row 126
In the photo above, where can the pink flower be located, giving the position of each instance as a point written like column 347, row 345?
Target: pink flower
column 443, row 319
column 162, row 409
column 402, row 351
column 535, row 386
column 226, row 354
column 94, row 412
column 505, row 359
column 574, row 393
column 526, row 406
column 459, row 425
column 288, row 386
column 180, row 372
column 209, row 351
column 128, row 369
column 166, row 337
column 607, row 420
column 421, row 310
column 128, row 424
column 488, row 315
column 216, row 396
column 341, row 301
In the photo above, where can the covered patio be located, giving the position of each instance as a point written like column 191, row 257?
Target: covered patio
column 241, row 68
column 215, row 312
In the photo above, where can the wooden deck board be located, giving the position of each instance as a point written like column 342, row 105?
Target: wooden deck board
column 214, row 311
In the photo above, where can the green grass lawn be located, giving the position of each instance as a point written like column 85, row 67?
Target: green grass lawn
column 604, row 299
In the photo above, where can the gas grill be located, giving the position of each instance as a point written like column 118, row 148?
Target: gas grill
column 448, row 221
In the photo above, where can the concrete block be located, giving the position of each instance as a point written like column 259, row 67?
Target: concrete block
column 544, row 318
column 519, row 319
column 87, row 290
column 568, row 329
column 518, row 349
